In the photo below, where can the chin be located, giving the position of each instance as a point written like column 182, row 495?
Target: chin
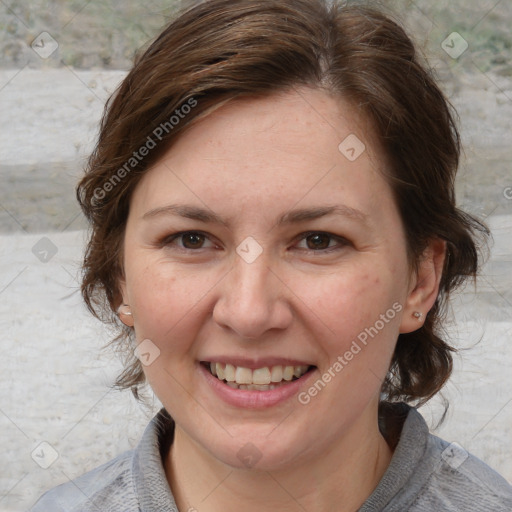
column 255, row 449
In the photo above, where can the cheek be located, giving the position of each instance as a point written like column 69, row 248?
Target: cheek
column 162, row 301
column 167, row 307
column 360, row 310
column 362, row 313
column 349, row 299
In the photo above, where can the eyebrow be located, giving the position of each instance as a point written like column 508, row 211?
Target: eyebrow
column 291, row 217
column 187, row 211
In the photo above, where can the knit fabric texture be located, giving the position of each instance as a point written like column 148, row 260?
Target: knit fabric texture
column 426, row 474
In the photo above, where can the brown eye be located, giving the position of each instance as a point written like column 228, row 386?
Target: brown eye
column 192, row 240
column 184, row 241
column 318, row 241
column 321, row 242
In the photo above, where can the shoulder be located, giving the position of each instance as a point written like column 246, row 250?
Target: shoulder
column 443, row 476
column 133, row 481
column 461, row 481
column 427, row 473
column 99, row 489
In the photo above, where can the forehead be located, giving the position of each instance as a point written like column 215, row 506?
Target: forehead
column 300, row 146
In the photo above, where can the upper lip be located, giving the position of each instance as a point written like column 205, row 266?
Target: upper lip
column 253, row 364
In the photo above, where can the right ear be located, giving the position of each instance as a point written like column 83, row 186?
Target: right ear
column 124, row 311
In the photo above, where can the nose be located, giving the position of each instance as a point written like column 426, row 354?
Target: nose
column 253, row 300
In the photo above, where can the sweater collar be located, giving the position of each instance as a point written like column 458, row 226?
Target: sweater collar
column 148, row 471
column 154, row 493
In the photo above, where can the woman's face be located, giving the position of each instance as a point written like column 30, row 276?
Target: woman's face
column 257, row 244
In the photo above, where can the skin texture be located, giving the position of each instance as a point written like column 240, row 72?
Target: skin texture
column 250, row 162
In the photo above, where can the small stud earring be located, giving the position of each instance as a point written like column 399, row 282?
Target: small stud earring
column 123, row 309
column 417, row 315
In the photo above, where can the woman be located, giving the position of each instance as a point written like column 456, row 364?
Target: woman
column 273, row 222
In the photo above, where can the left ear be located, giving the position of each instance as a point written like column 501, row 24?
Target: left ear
column 424, row 286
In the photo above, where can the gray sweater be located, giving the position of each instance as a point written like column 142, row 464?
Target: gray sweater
column 426, row 474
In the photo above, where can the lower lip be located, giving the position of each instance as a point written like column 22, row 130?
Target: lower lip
column 250, row 399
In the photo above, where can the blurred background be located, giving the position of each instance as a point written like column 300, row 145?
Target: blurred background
column 60, row 61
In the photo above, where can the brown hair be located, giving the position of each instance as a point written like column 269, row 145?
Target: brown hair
column 226, row 49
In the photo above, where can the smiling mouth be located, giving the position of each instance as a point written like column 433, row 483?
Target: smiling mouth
column 259, row 379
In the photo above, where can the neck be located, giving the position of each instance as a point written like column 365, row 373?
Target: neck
column 339, row 479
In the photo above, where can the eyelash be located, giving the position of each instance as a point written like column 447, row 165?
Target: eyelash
column 342, row 242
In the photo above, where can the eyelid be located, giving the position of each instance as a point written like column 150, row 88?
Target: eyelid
column 341, row 241
column 169, row 239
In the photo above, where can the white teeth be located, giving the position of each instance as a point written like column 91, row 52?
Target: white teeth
column 261, row 376
column 243, row 375
column 276, row 375
column 298, row 371
column 229, row 373
column 219, row 371
column 251, row 387
column 288, row 373
column 259, row 379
